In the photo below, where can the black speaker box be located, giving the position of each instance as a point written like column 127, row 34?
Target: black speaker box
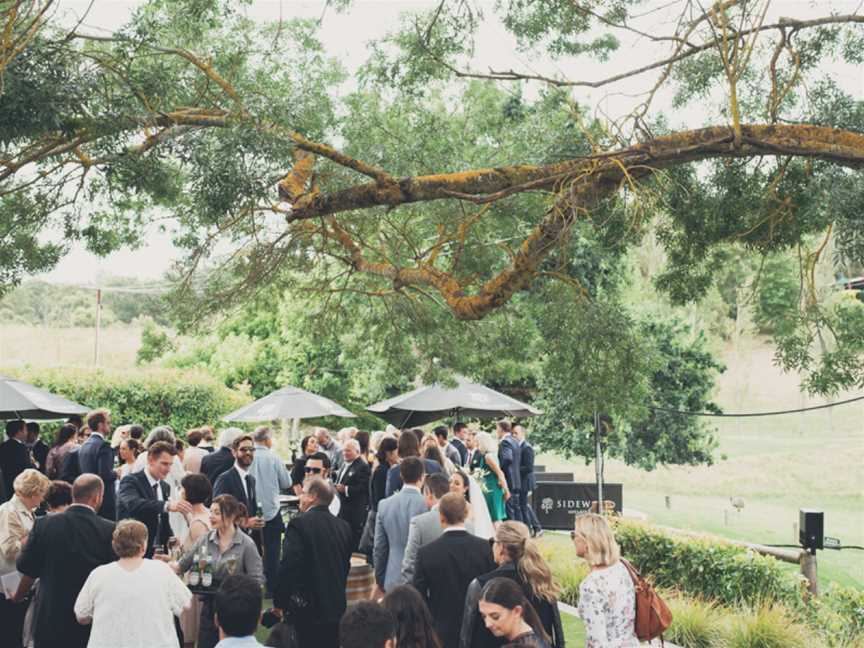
column 811, row 528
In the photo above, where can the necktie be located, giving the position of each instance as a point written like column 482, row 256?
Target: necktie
column 249, row 491
column 156, row 490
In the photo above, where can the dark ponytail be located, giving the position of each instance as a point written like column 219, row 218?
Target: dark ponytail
column 508, row 594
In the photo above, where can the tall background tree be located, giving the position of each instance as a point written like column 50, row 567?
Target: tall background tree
column 431, row 208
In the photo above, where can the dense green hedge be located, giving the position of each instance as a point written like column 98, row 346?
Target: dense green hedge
column 149, row 397
column 712, row 570
column 708, row 567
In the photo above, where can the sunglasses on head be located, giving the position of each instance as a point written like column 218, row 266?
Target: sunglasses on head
column 313, row 471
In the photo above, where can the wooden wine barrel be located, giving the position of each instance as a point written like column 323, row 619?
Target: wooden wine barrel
column 361, row 580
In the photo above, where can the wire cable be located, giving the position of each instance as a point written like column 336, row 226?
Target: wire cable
column 751, row 414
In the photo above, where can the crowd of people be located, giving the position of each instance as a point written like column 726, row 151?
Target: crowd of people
column 120, row 539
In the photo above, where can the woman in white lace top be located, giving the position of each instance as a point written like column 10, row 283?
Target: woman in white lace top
column 149, row 589
column 607, row 600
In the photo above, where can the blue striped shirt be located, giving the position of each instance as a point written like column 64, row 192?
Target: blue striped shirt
column 271, row 477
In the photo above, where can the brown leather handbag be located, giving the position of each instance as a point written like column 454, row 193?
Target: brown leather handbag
column 653, row 616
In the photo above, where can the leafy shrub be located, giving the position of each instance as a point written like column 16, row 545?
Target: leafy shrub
column 838, row 613
column 569, row 579
column 149, row 397
column 767, row 626
column 708, row 567
column 695, row 623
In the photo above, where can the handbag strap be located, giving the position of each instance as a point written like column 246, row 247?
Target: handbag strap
column 634, row 573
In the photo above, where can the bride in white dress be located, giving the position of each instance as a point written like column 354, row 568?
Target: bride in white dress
column 478, row 513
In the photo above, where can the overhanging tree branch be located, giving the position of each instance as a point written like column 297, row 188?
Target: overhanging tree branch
column 681, row 54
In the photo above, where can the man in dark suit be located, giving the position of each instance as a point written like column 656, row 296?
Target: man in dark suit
column 460, row 433
column 446, row 566
column 14, row 455
column 352, row 484
column 38, row 448
column 510, row 458
column 61, row 552
column 145, row 496
column 529, row 481
column 216, row 463
column 238, row 482
column 316, row 558
column 96, row 456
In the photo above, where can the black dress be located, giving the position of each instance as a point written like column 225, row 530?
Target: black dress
column 527, row 640
column 378, row 485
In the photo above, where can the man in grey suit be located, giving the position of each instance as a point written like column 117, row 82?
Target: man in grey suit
column 392, row 522
column 426, row 527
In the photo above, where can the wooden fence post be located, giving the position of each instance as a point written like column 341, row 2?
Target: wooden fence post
column 808, row 568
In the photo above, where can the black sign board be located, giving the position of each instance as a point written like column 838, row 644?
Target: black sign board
column 557, row 503
column 553, row 476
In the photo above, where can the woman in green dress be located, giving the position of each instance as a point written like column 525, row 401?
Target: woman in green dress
column 494, row 485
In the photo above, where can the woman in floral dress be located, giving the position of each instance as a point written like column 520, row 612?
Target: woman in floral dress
column 607, row 599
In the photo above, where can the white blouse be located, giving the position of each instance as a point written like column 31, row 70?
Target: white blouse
column 133, row 609
column 607, row 605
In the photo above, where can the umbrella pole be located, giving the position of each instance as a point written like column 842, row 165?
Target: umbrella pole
column 598, row 462
column 286, row 430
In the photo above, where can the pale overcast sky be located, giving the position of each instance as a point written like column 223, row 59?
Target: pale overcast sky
column 345, row 37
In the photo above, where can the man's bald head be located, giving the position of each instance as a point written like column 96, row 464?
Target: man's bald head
column 88, row 489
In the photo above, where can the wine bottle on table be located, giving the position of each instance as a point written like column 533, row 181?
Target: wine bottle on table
column 194, row 573
column 207, row 573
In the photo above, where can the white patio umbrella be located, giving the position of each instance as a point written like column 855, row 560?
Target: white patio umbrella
column 20, row 400
column 433, row 402
column 288, row 403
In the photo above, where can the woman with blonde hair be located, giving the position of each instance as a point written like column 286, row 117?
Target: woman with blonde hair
column 121, row 432
column 16, row 515
column 520, row 560
column 493, row 482
column 607, row 599
column 132, row 583
column 16, row 521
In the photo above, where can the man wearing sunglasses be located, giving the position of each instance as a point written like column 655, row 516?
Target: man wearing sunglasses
column 238, row 482
column 318, row 465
